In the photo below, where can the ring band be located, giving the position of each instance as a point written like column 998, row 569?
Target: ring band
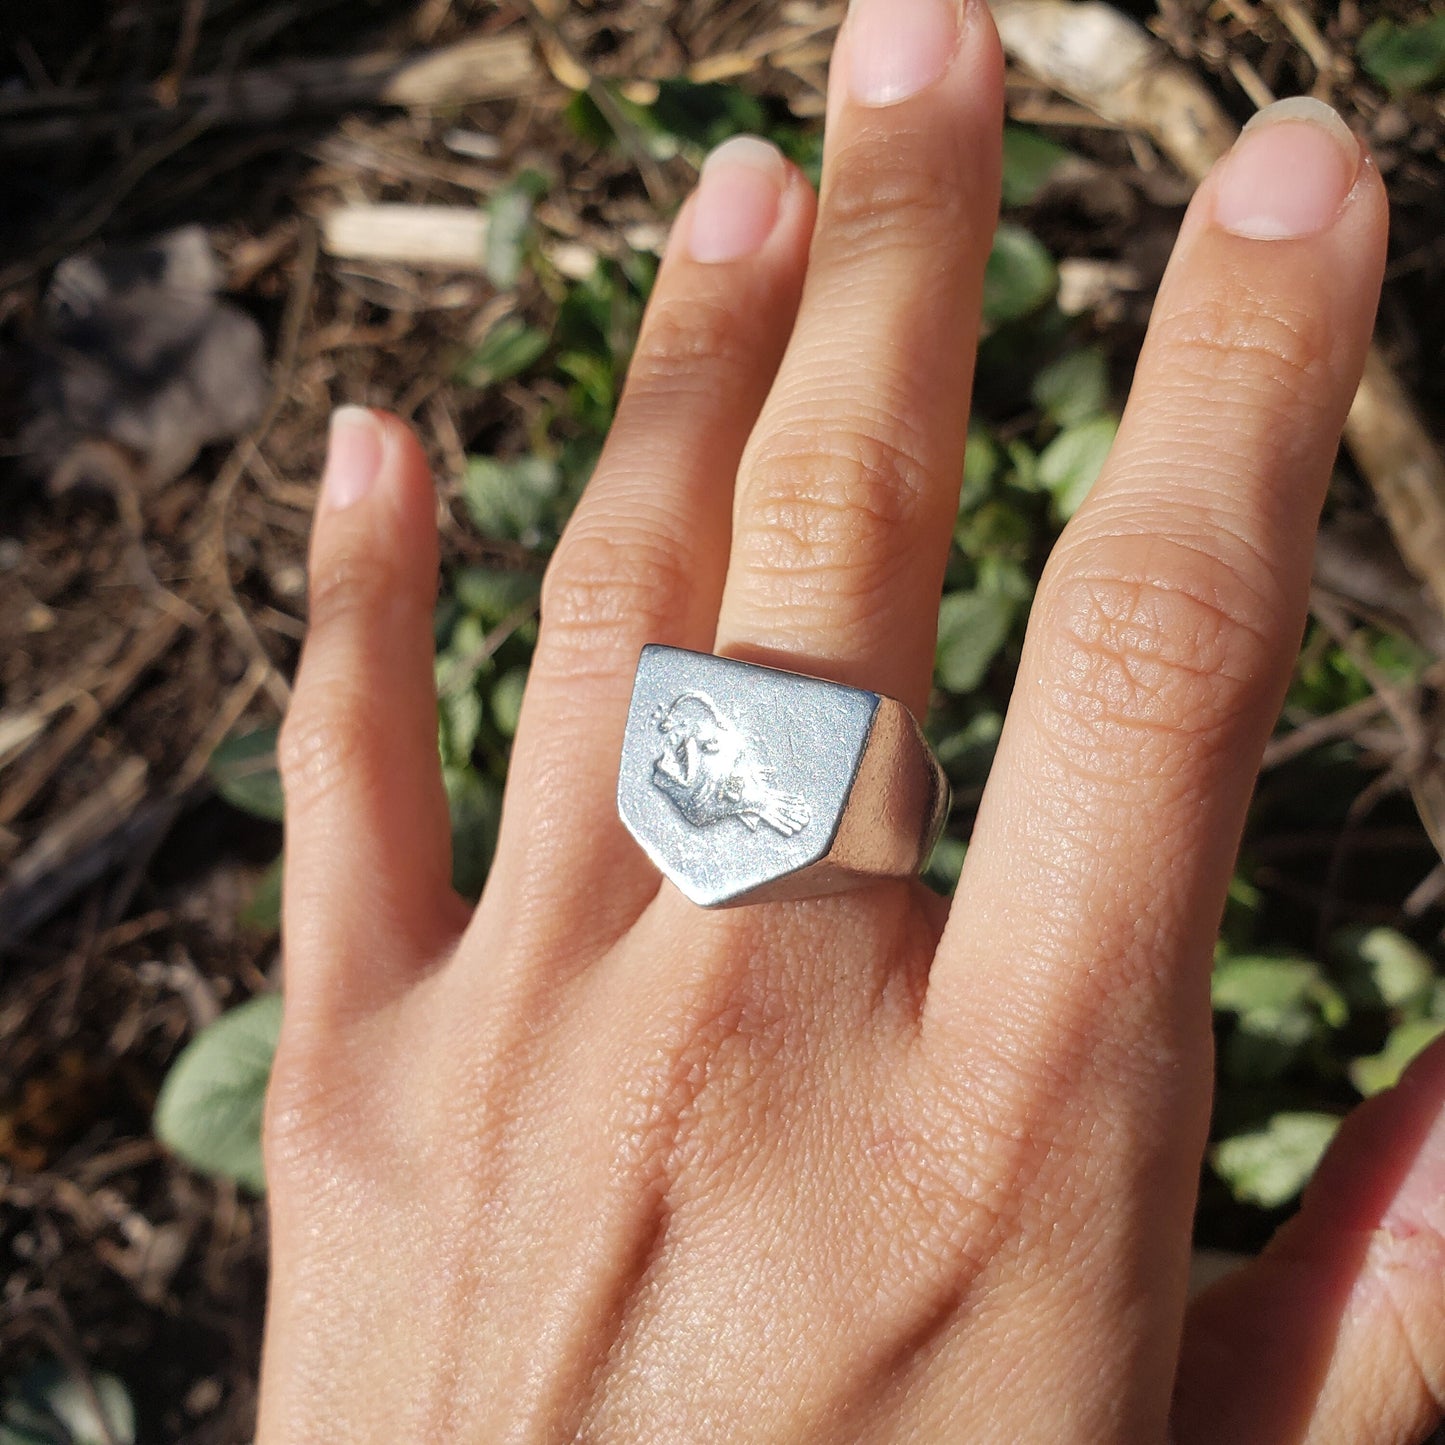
column 746, row 784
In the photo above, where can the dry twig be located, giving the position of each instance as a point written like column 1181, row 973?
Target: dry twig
column 148, row 646
column 496, row 67
column 213, row 558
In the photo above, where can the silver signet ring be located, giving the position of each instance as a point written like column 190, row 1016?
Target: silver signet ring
column 745, row 784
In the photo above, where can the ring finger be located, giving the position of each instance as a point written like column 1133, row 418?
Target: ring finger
column 644, row 556
column 847, row 493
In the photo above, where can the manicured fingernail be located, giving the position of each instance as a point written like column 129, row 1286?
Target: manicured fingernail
column 1289, row 173
column 737, row 200
column 353, row 458
column 897, row 48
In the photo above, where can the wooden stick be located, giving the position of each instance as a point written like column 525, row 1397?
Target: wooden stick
column 452, row 237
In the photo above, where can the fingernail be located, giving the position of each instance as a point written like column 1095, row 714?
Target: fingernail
column 897, row 48
column 1289, row 172
column 737, row 200
column 353, row 457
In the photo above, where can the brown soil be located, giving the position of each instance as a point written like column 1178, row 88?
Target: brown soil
column 111, row 1252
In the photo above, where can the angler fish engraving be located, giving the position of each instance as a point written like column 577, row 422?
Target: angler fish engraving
column 709, row 770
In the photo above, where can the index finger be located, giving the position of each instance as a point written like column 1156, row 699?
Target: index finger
column 1077, row 955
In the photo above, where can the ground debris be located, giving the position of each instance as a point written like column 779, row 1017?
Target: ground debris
column 140, row 364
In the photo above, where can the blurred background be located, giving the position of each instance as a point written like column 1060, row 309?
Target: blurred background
column 219, row 218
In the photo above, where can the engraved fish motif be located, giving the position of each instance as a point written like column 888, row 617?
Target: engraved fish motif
column 710, row 771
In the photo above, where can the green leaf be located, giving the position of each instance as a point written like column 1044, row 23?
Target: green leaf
column 587, row 120
column 945, row 864
column 244, row 772
column 981, row 463
column 476, row 810
column 1401, row 660
column 1004, row 577
column 596, row 378
column 1070, row 464
column 1266, row 1044
column 1284, row 1005
column 1023, row 466
column 459, row 715
column 493, row 596
column 701, row 116
column 508, row 349
column 1073, row 388
column 263, row 912
column 1019, row 278
column 1245, row 985
column 972, row 628
column 210, row 1106
column 995, row 529
column 1029, row 163
column 1378, row 1072
column 48, row 1405
column 1379, row 968
column 1268, row 1167
column 803, row 145
column 510, row 228
column 507, row 700
column 1405, row 58
column 968, row 752
column 511, row 500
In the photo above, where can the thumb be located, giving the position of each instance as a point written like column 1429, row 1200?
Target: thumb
column 1336, row 1334
column 368, row 848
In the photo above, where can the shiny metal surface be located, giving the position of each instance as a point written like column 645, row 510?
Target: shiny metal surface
column 745, row 783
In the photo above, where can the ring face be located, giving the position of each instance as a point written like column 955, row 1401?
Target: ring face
column 741, row 782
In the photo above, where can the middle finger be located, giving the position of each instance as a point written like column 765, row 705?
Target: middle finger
column 847, row 494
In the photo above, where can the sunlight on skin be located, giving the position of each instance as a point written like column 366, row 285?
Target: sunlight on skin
column 596, row 1165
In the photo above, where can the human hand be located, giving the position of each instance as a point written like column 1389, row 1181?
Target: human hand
column 593, row 1164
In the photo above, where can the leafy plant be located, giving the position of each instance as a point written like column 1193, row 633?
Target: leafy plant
column 1299, row 1038
column 1030, row 162
column 210, row 1106
column 1070, row 464
column 1020, row 276
column 1268, row 1166
column 511, row 236
column 1405, row 58
column 510, row 348
column 1374, row 1073
column 972, row 627
column 1282, row 1006
column 244, row 771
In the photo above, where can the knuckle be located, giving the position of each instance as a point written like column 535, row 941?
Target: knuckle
column 319, row 1118
column 605, row 589
column 1252, row 340
column 301, row 1101
column 835, row 521
column 354, row 588
column 1137, row 658
column 1409, row 1263
column 324, row 742
column 690, row 347
column 347, row 587
column 879, row 202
